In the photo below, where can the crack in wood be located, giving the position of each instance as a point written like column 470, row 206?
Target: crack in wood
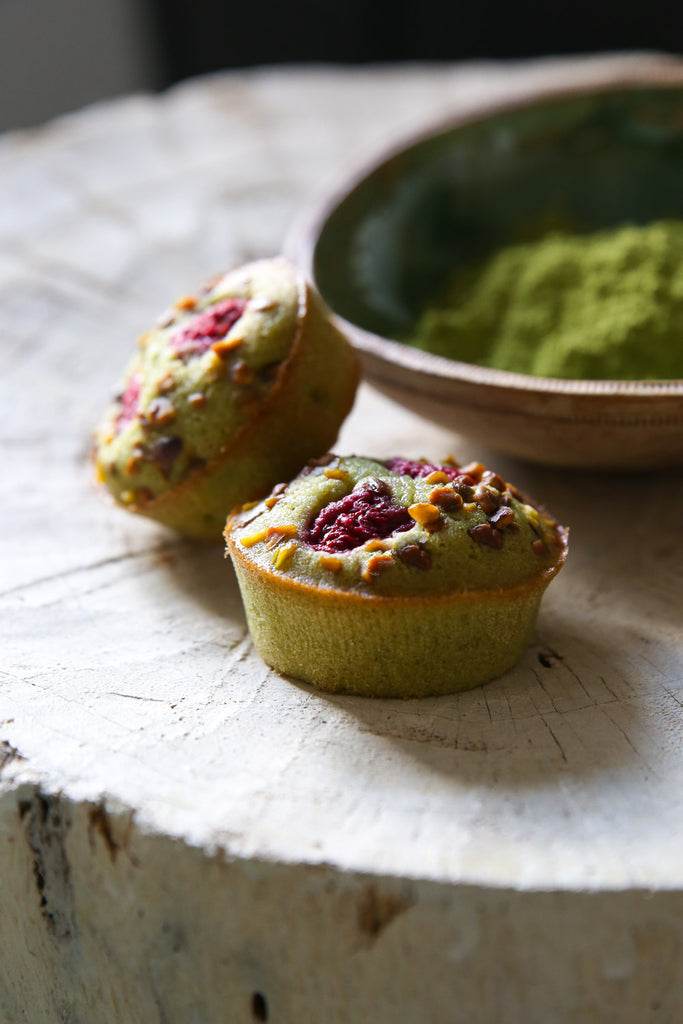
column 609, row 690
column 675, row 699
column 573, row 673
column 137, row 696
column 629, row 741
column 8, row 754
column 46, row 824
column 376, row 910
column 99, row 822
column 546, row 692
column 552, row 733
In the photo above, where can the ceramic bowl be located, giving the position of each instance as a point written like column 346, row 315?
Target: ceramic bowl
column 595, row 150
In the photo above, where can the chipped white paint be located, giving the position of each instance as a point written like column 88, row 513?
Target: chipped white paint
column 259, row 837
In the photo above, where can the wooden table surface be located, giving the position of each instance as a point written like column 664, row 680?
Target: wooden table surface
column 183, row 830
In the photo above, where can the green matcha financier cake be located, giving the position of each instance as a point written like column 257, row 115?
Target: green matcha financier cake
column 234, row 389
column 393, row 579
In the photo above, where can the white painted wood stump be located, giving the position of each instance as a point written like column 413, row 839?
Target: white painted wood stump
column 185, row 836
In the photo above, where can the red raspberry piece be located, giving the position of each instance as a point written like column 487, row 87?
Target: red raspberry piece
column 129, row 401
column 207, row 327
column 368, row 512
column 415, row 469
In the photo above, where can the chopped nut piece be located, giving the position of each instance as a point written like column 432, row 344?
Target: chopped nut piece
column 538, row 546
column 487, row 498
column 424, row 513
column 134, row 462
column 446, row 498
column 322, row 460
column 377, row 565
column 331, row 562
column 196, row 399
column 225, row 346
column 336, row 474
column 413, row 554
column 144, row 339
column 450, row 460
column 248, row 505
column 532, row 516
column 485, row 534
column 438, row 477
column 437, row 526
column 264, row 304
column 165, row 384
column 474, row 469
column 493, row 480
column 185, row 302
column 160, row 410
column 166, row 319
column 503, row 518
column 241, row 373
column 283, row 556
column 464, row 488
column 275, row 495
column 375, row 545
column 276, row 534
column 246, row 519
column 255, row 538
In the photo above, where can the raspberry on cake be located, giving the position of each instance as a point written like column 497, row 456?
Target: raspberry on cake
column 233, row 390
column 400, row 578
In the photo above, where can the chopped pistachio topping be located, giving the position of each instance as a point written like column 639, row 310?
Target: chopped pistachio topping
column 486, row 543
column 254, row 538
column 331, row 562
column 275, row 534
column 284, row 555
column 424, row 512
column 206, row 367
column 377, row 565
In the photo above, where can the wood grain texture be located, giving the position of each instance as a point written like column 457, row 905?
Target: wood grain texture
column 135, row 715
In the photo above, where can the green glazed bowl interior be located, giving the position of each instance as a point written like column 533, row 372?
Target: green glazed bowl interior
column 572, row 162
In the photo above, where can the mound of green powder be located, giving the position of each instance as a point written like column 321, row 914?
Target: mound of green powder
column 600, row 306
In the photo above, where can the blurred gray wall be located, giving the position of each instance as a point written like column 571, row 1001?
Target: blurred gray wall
column 57, row 55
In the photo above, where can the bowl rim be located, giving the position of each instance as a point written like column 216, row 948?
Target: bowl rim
column 568, row 81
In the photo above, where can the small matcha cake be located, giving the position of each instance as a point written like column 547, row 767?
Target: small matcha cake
column 393, row 579
column 234, row 389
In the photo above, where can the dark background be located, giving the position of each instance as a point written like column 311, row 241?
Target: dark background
column 213, row 34
column 58, row 55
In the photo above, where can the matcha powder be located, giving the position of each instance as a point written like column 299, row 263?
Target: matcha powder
column 607, row 305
